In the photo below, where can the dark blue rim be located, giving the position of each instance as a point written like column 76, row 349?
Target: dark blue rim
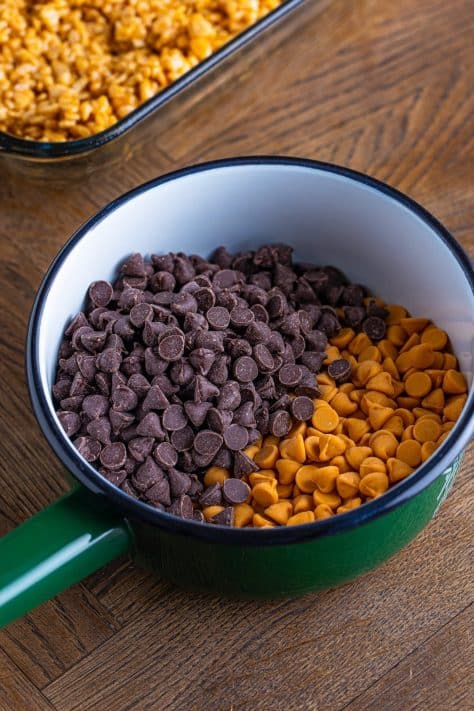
column 42, row 150
column 90, row 477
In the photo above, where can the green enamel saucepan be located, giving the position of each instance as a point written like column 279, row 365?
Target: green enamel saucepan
column 329, row 215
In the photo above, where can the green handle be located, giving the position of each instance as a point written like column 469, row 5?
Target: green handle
column 53, row 550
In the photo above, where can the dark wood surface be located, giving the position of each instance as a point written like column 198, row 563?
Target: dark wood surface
column 384, row 87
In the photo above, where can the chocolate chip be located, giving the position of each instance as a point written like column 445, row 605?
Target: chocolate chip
column 298, row 345
column 100, row 430
column 316, row 341
column 291, row 325
column 124, row 399
column 86, row 365
column 223, row 458
column 312, row 360
column 266, row 388
column 150, row 426
column 235, row 491
column 174, row 418
column 308, row 387
column 141, row 313
column 164, row 299
column 241, row 316
column 243, row 464
column 163, row 262
column 72, row 403
column 162, row 281
column 182, row 439
column 197, row 412
column 236, row 437
column 198, row 516
column 353, row 315
column 258, row 332
column 213, row 340
column 89, row 448
column 182, row 507
column 229, row 397
column 279, row 423
column 184, row 303
column 165, row 384
column 139, row 384
column 134, row 266
column 205, row 298
column 180, row 482
column 374, row 327
column 127, row 300
column 224, row 278
column 154, row 365
column 374, row 309
column 329, row 324
column 212, row 496
column 340, row 370
column 70, row 422
column 238, row 347
column 245, row 369
column 116, row 477
column 147, row 474
column 263, row 358
column 219, row 372
column 181, row 373
column 196, row 488
column 183, row 269
column 290, row 375
column 155, row 399
column 160, row 492
column 61, row 388
column 165, row 455
column 100, row 293
column 77, row 322
column 120, row 420
column 171, row 347
column 260, row 313
column 76, row 340
column 219, row 420
column 207, row 443
column 222, row 257
column 262, row 417
column 113, row 456
column 109, row 361
column 202, row 359
column 102, row 380
column 224, row 518
column 94, row 341
column 204, row 390
column 302, row 408
column 140, row 447
column 95, row 406
column 288, row 356
column 353, row 295
column 218, row 318
column 245, row 415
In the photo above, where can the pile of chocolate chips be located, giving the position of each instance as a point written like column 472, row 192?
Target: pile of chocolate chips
column 183, row 362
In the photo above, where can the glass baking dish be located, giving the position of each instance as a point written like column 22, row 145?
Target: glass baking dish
column 136, row 130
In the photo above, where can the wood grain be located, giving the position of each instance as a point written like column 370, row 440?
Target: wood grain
column 385, row 88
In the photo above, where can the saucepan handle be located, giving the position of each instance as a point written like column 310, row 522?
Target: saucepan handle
column 55, row 549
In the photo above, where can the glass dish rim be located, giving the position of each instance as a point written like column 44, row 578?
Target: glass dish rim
column 45, row 150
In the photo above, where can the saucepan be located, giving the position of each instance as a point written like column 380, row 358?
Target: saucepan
column 330, row 215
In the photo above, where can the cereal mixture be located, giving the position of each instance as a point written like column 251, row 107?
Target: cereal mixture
column 72, row 68
column 250, row 390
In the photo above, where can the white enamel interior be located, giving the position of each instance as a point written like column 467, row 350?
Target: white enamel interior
column 329, row 219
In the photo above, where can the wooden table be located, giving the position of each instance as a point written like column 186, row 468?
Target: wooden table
column 380, row 86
